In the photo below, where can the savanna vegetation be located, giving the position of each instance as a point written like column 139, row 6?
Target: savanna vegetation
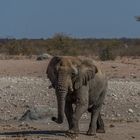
column 61, row 44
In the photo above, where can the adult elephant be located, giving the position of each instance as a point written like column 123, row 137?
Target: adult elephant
column 78, row 81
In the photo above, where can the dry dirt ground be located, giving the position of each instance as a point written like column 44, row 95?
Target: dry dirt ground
column 27, row 104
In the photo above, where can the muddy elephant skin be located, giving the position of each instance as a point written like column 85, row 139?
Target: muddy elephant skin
column 78, row 81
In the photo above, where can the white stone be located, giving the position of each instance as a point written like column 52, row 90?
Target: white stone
column 130, row 110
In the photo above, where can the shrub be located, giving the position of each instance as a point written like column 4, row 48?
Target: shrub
column 106, row 54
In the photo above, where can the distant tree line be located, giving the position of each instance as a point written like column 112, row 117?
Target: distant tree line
column 61, row 44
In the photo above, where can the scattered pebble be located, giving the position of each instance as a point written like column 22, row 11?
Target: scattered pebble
column 133, row 137
column 130, row 110
column 18, row 94
column 111, row 125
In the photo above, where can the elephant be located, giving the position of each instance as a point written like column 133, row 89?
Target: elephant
column 78, row 81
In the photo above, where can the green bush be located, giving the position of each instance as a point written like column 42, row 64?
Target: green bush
column 61, row 44
column 106, row 54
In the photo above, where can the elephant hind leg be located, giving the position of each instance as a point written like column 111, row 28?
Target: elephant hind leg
column 100, row 125
column 69, row 113
column 93, row 123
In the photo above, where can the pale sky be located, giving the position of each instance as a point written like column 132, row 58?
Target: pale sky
column 78, row 18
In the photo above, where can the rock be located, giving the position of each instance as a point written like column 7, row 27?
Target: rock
column 43, row 56
column 118, row 115
column 133, row 137
column 102, row 114
column 138, row 93
column 137, row 120
column 27, row 116
column 111, row 125
column 113, row 66
column 22, row 99
column 84, row 116
column 114, row 95
column 37, row 113
column 129, row 120
column 138, row 114
column 123, row 77
column 136, row 106
column 130, row 110
column 132, row 93
column 134, row 76
column 9, row 86
column 8, row 111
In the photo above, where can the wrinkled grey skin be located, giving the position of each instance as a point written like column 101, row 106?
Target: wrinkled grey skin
column 80, row 82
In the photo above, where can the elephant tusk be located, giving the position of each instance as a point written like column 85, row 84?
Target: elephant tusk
column 75, row 70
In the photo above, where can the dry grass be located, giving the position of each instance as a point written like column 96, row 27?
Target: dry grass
column 64, row 45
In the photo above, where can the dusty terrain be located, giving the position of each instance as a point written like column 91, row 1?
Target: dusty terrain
column 27, row 104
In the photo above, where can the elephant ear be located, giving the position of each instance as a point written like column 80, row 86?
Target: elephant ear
column 51, row 70
column 86, row 72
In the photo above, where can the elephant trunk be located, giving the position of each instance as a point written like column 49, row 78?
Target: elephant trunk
column 61, row 106
column 61, row 92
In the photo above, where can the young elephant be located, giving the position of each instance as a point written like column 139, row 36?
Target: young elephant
column 78, row 81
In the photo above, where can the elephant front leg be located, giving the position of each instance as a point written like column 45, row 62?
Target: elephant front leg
column 79, row 110
column 69, row 113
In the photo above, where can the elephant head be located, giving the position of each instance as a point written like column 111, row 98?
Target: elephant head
column 66, row 75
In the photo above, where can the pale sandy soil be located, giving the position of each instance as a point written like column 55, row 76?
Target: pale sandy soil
column 52, row 131
column 125, row 68
column 14, row 74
